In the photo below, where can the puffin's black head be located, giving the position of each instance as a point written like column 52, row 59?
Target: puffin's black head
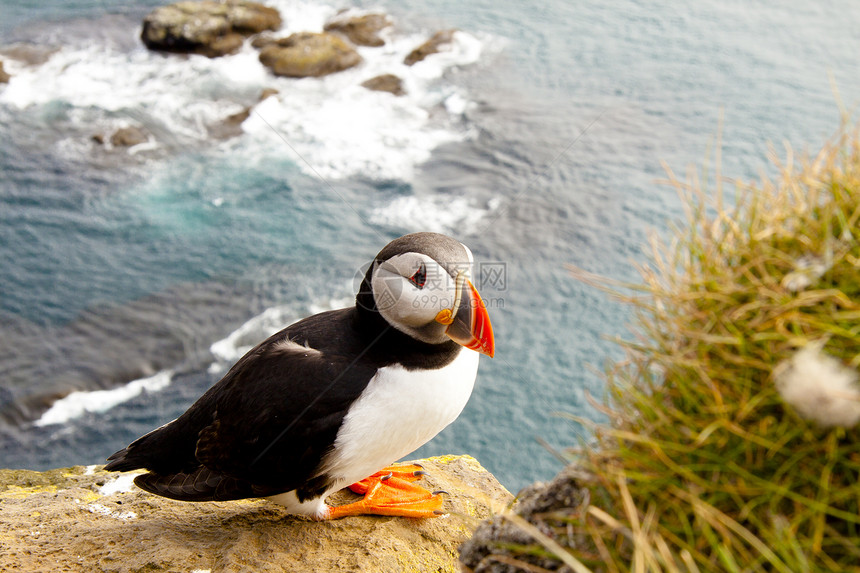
column 419, row 284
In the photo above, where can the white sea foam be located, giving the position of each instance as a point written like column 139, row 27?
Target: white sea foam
column 330, row 304
column 106, row 87
column 333, row 127
column 452, row 215
column 251, row 333
column 236, row 344
column 78, row 403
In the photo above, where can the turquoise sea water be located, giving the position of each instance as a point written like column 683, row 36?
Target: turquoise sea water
column 136, row 277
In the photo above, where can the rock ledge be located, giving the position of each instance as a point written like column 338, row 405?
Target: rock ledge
column 86, row 519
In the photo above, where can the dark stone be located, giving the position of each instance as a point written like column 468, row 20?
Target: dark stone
column 207, row 27
column 4, row 76
column 28, row 54
column 385, row 83
column 361, row 30
column 262, row 40
column 268, row 92
column 429, row 47
column 231, row 126
column 128, row 136
column 309, row 54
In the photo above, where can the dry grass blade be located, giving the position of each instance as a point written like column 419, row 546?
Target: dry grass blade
column 549, row 543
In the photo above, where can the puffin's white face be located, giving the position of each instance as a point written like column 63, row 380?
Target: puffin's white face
column 431, row 301
column 411, row 289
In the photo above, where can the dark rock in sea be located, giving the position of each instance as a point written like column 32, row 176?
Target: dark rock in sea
column 267, row 92
column 123, row 137
column 429, row 47
column 129, row 136
column 206, row 27
column 28, row 54
column 500, row 546
column 260, row 41
column 309, row 54
column 4, row 76
column 360, row 30
column 385, row 83
column 231, row 126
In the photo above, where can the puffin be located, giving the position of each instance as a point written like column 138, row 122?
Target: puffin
column 335, row 399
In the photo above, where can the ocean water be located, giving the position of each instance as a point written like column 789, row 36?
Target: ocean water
column 133, row 278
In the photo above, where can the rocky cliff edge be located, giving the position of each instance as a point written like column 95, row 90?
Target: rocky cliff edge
column 86, row 519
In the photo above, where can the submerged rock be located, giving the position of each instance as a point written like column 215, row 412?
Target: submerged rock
column 231, row 126
column 129, row 136
column 123, row 137
column 28, row 54
column 385, row 83
column 268, row 92
column 206, row 27
column 4, row 76
column 360, row 30
column 308, row 54
column 79, row 520
column 429, row 47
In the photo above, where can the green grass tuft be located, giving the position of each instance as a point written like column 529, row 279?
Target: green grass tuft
column 704, row 466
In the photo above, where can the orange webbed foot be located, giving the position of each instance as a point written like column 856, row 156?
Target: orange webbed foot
column 390, row 492
column 410, row 472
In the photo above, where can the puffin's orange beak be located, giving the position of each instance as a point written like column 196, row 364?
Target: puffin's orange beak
column 470, row 326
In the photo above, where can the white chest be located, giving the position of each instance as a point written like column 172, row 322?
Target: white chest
column 398, row 412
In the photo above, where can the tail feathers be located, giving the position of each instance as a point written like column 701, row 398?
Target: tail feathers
column 166, row 449
column 122, row 462
column 202, row 484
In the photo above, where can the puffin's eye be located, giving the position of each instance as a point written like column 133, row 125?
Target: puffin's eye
column 420, row 276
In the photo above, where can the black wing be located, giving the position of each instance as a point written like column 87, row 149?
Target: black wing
column 266, row 426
